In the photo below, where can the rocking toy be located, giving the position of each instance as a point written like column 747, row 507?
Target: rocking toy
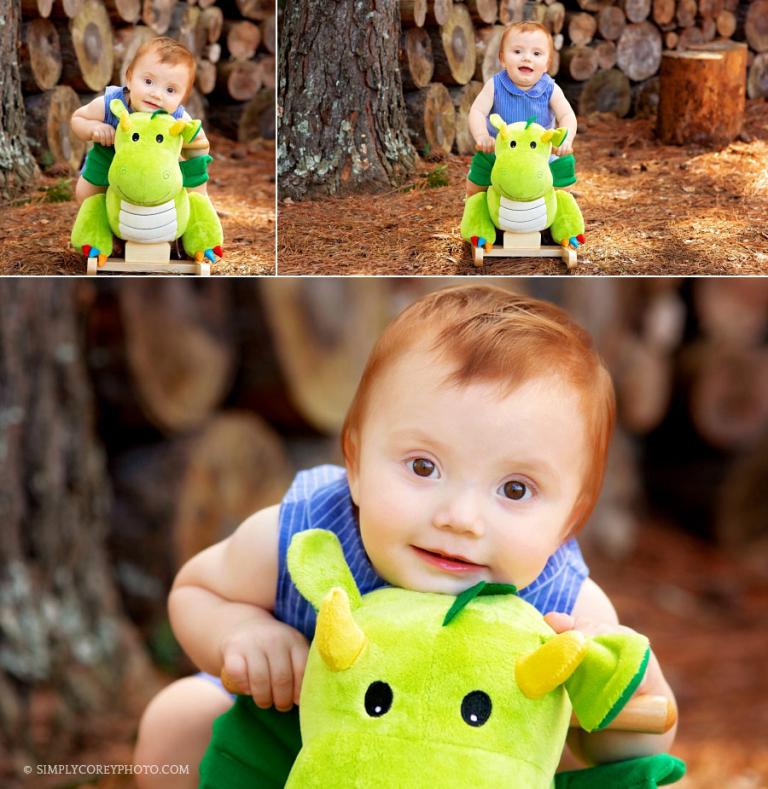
column 522, row 201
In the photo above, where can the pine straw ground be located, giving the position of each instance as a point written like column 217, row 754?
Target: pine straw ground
column 34, row 234
column 706, row 615
column 650, row 209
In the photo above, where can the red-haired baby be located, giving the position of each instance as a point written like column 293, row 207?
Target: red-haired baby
column 520, row 91
column 474, row 451
column 160, row 77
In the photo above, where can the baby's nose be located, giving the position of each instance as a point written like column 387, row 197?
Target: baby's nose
column 461, row 513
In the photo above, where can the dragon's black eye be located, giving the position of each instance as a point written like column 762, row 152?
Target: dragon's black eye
column 476, row 708
column 512, row 144
column 135, row 136
column 378, row 699
column 533, row 145
column 159, row 138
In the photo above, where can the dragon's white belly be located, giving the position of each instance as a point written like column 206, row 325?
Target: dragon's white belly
column 522, row 217
column 148, row 223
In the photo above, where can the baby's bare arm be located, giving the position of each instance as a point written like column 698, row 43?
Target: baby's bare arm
column 565, row 117
column 220, row 610
column 88, row 123
column 594, row 613
column 478, row 114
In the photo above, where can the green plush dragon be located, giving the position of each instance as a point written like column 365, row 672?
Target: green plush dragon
column 521, row 197
column 145, row 200
column 414, row 690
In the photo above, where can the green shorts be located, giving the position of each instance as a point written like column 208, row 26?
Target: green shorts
column 96, row 169
column 251, row 747
column 563, row 169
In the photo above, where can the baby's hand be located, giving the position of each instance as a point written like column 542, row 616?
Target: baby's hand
column 564, row 149
column 487, row 144
column 266, row 660
column 103, row 133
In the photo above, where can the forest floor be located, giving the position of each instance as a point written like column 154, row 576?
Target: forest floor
column 706, row 614
column 34, row 232
column 650, row 209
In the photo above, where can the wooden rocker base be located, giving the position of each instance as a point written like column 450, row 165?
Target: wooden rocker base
column 524, row 245
column 148, row 259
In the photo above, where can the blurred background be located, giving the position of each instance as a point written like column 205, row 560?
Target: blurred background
column 142, row 420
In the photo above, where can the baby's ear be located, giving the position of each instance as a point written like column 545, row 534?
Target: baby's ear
column 316, row 563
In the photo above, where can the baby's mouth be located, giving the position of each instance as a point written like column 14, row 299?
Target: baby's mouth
column 526, row 69
column 448, row 562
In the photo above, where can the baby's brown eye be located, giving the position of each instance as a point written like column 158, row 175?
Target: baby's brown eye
column 514, row 490
column 423, row 467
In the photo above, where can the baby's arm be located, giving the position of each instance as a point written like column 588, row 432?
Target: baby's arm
column 594, row 614
column 199, row 146
column 88, row 123
column 220, row 610
column 478, row 114
column 564, row 117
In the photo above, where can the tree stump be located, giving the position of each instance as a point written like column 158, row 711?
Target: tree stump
column 462, row 101
column 431, row 119
column 453, row 48
column 51, row 138
column 341, row 117
column 413, row 13
column 417, row 64
column 39, row 56
column 702, row 94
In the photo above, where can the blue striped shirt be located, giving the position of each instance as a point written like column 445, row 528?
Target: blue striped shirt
column 319, row 499
column 514, row 104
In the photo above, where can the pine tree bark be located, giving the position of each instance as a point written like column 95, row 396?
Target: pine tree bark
column 61, row 630
column 18, row 170
column 341, row 118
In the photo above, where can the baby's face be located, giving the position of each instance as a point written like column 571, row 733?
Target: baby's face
column 157, row 86
column 457, row 485
column 525, row 57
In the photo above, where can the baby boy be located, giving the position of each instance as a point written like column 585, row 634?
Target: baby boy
column 474, row 449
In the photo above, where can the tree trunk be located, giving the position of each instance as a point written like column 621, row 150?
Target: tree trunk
column 342, row 125
column 18, row 170
column 65, row 644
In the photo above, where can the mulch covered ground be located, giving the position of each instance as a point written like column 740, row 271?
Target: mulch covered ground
column 706, row 614
column 649, row 209
column 34, row 233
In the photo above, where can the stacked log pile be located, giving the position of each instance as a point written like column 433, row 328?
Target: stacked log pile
column 689, row 360
column 607, row 53
column 209, row 398
column 69, row 51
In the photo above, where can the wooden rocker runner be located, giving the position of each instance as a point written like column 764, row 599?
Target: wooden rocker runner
column 523, row 245
column 148, row 259
column 521, row 199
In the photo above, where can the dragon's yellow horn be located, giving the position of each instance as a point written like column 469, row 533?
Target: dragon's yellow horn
column 177, row 128
column 339, row 638
column 548, row 135
column 551, row 664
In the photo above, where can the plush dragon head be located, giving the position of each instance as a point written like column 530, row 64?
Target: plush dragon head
column 145, row 170
column 521, row 170
column 413, row 689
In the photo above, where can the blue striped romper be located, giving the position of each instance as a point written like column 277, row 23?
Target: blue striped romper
column 320, row 499
column 515, row 104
